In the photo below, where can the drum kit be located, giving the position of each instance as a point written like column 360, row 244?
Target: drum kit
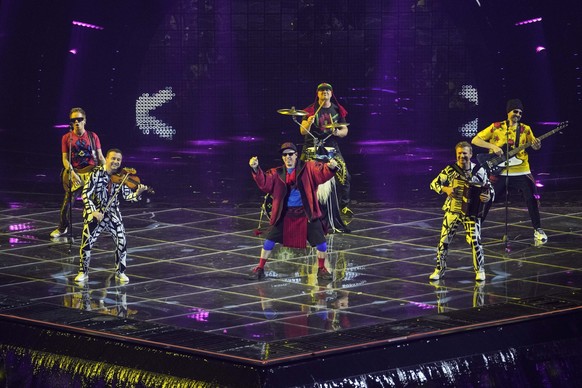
column 319, row 151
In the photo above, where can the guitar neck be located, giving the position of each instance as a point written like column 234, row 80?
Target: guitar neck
column 522, row 147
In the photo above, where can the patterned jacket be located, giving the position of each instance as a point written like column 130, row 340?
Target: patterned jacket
column 449, row 174
column 100, row 189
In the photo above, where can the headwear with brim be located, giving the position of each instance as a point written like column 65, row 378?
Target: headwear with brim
column 514, row 104
column 324, row 86
column 288, row 146
column 311, row 109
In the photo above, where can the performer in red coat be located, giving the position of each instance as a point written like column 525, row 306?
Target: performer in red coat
column 296, row 215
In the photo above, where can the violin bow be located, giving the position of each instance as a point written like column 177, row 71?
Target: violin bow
column 90, row 217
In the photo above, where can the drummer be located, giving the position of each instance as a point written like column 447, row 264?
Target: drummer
column 323, row 126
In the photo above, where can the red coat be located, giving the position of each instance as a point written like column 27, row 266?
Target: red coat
column 309, row 175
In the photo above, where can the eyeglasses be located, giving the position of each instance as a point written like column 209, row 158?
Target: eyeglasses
column 289, row 153
column 517, row 112
column 77, row 119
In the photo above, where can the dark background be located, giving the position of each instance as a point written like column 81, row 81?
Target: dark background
column 415, row 76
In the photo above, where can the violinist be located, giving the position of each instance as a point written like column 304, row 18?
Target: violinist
column 101, row 212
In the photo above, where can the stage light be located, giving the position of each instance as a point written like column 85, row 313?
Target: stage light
column 540, row 49
column 529, row 21
column 87, row 25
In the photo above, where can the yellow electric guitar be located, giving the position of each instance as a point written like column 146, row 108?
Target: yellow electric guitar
column 83, row 174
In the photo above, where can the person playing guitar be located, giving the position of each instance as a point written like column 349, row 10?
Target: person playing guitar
column 501, row 138
column 81, row 152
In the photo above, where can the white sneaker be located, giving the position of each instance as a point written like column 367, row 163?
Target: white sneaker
column 480, row 275
column 437, row 274
column 81, row 277
column 57, row 233
column 540, row 235
column 121, row 277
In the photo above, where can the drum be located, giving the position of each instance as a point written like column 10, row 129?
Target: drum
column 322, row 154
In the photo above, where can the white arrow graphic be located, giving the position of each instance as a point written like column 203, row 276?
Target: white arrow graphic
column 149, row 124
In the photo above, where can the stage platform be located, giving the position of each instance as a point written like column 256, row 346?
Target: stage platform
column 190, row 315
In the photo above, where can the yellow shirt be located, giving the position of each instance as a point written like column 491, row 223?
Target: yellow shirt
column 499, row 134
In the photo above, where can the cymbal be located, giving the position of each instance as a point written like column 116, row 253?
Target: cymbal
column 336, row 125
column 292, row 112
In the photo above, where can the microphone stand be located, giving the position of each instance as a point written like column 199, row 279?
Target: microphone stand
column 71, row 199
column 506, row 235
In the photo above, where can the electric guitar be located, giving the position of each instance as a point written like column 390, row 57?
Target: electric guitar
column 83, row 174
column 493, row 163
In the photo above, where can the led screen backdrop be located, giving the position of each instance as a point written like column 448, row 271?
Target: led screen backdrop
column 222, row 68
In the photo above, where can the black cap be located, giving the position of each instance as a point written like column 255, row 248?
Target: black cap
column 324, row 86
column 514, row 104
column 288, row 146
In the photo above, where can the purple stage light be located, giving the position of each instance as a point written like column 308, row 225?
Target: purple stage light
column 73, row 51
column 529, row 21
column 207, row 142
column 24, row 239
column 20, row 227
column 382, row 142
column 87, row 25
column 245, row 139
column 552, row 123
column 540, row 49
column 199, row 315
column 423, row 306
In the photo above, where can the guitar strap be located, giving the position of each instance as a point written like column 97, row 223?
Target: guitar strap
column 476, row 168
column 461, row 173
column 93, row 152
column 517, row 133
column 93, row 149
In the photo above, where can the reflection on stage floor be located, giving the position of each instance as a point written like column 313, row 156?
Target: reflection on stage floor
column 188, row 266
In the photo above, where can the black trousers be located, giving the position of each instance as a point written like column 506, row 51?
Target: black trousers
column 64, row 220
column 525, row 185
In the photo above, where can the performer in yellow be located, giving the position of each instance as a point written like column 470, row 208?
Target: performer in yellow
column 501, row 136
column 466, row 172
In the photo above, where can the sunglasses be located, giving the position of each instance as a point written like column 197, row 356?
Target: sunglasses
column 289, row 153
column 517, row 112
column 77, row 119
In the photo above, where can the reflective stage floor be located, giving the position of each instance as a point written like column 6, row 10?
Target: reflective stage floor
column 190, row 301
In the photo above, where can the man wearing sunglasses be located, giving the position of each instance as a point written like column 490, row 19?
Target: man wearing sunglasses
column 502, row 137
column 81, row 152
column 295, row 215
column 321, row 113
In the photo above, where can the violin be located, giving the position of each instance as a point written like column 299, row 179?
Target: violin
column 127, row 177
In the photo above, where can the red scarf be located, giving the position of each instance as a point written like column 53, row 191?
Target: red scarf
column 291, row 178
